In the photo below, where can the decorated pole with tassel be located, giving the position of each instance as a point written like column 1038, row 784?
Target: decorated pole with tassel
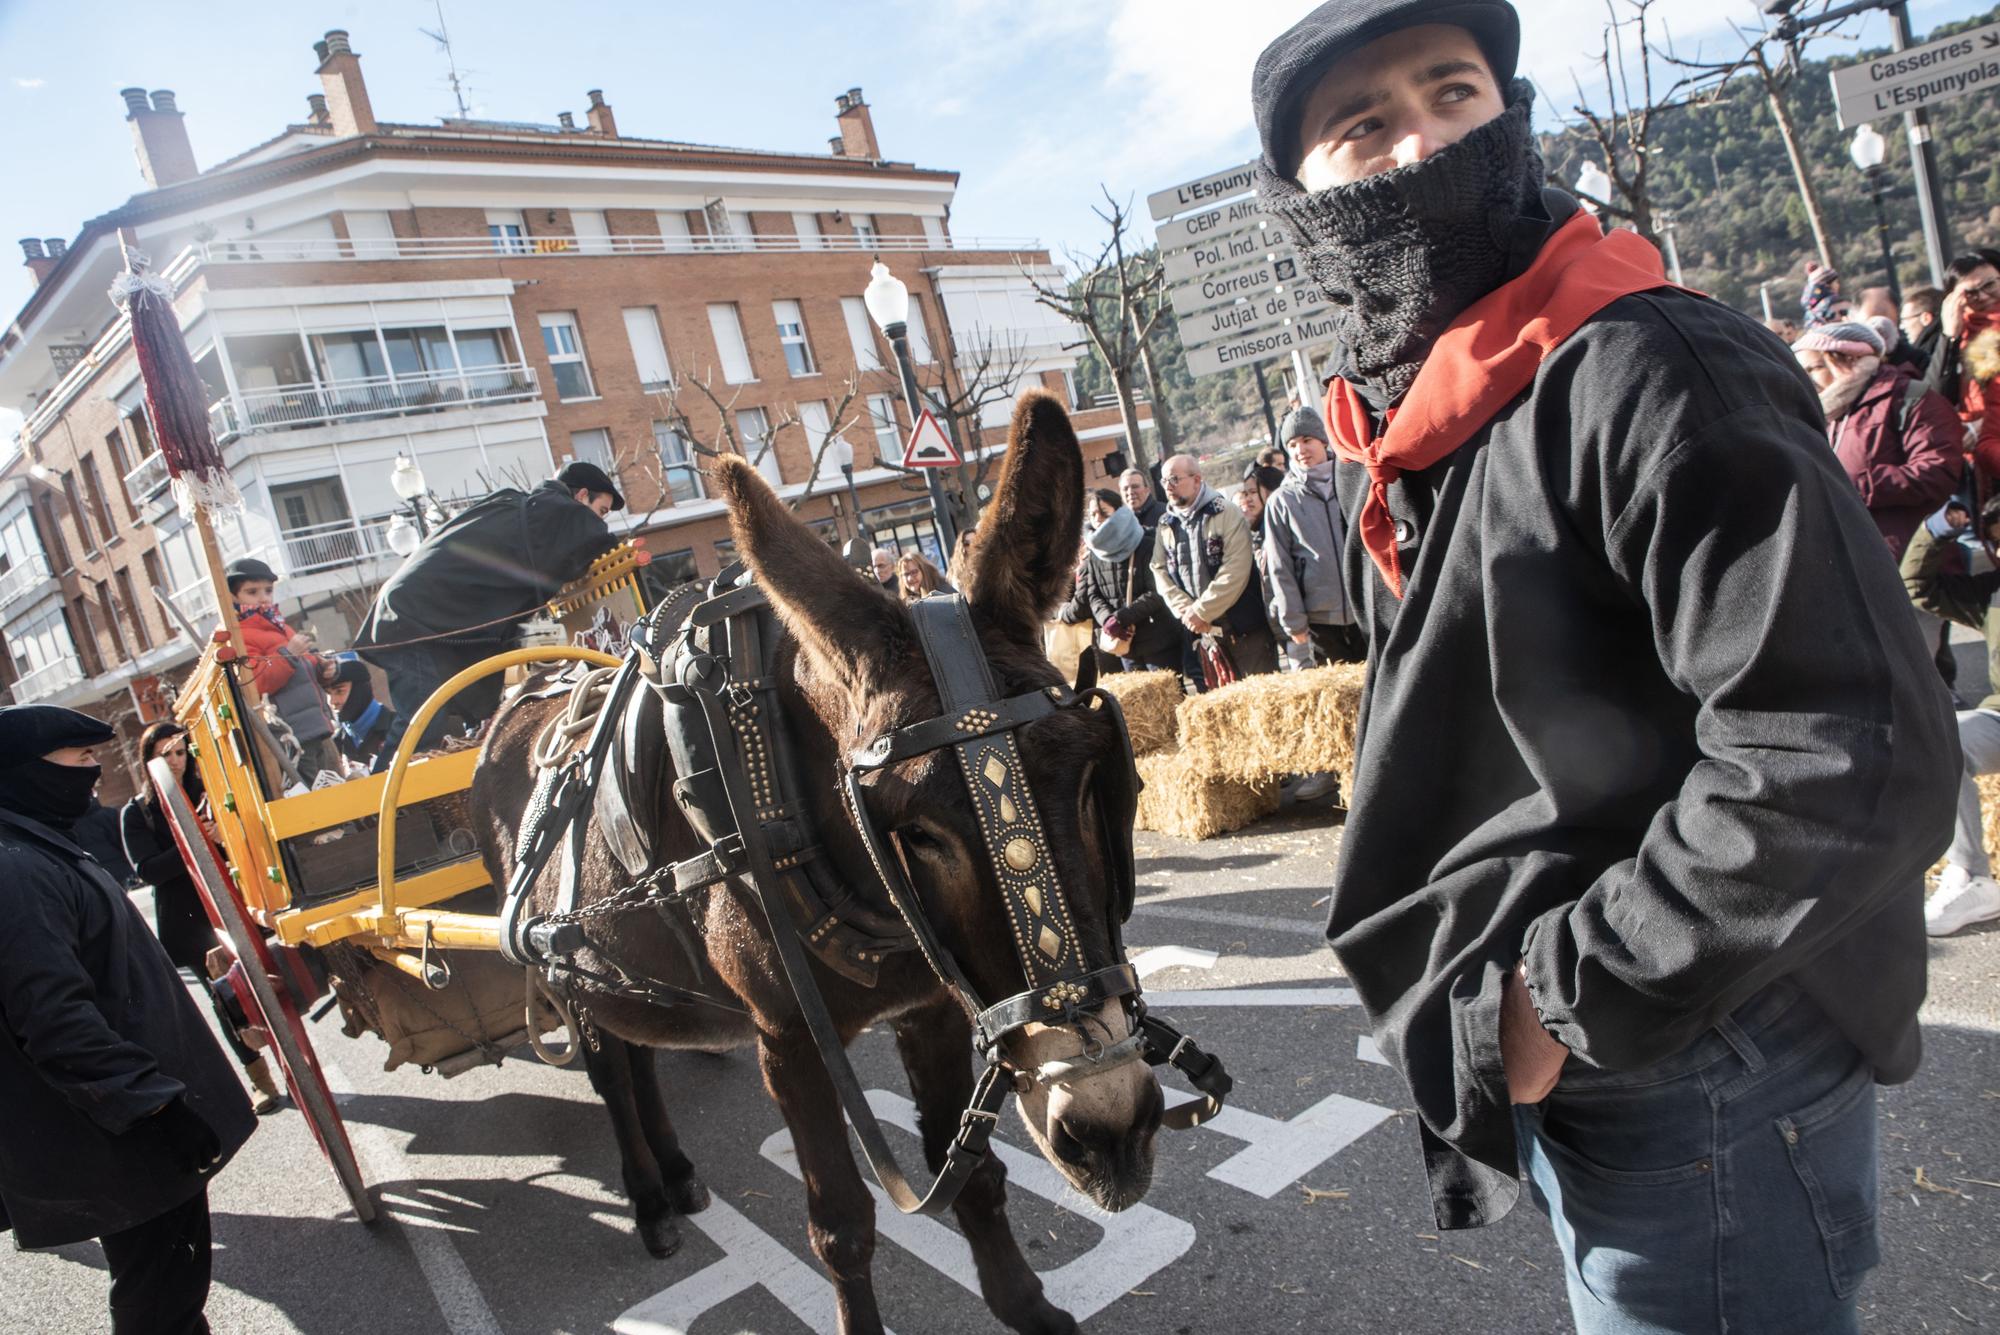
column 178, row 402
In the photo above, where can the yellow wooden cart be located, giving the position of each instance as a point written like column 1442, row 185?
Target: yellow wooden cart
column 374, row 886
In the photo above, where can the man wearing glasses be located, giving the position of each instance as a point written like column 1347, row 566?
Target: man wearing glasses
column 1971, row 306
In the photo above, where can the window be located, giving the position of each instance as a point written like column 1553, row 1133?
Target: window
column 934, row 232
column 865, row 234
column 370, row 235
column 818, row 426
column 792, row 338
column 888, row 436
column 156, row 578
column 50, row 532
column 75, row 499
column 754, row 433
column 861, row 333
column 674, row 234
column 649, row 350
column 920, row 341
column 416, row 351
column 109, row 611
column 121, row 464
column 565, row 349
column 807, row 226
column 727, row 327
column 83, row 635
column 141, row 422
column 508, row 231
column 483, row 348
column 678, row 469
column 667, row 572
column 593, row 237
column 351, row 356
column 594, row 447
column 133, row 610
column 742, row 231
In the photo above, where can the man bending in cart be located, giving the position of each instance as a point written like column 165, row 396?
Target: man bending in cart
column 116, row 1103
column 459, row 596
column 1654, row 934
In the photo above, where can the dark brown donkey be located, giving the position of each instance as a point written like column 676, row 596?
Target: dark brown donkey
column 854, row 670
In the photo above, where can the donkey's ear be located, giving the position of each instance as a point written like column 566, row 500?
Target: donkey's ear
column 1023, row 559
column 843, row 619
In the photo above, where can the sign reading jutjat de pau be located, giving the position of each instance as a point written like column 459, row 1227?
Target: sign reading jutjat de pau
column 1952, row 67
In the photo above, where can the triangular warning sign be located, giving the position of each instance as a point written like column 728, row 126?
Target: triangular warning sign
column 929, row 447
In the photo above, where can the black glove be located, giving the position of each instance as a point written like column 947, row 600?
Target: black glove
column 191, row 1141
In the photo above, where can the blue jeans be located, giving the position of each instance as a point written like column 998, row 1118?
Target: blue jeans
column 1729, row 1190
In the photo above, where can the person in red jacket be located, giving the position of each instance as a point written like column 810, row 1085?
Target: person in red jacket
column 1898, row 440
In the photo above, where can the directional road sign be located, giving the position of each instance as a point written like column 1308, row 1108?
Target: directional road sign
column 1953, row 67
column 1207, row 190
column 1210, row 224
column 929, row 447
column 1241, row 284
column 1304, row 332
column 1230, row 323
column 1210, row 257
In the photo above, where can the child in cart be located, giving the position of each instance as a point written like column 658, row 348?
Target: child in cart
column 284, row 668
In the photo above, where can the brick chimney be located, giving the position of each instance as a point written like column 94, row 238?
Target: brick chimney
column 40, row 263
column 601, row 120
column 566, row 120
column 837, row 146
column 857, row 128
column 319, row 115
column 159, row 137
column 347, row 105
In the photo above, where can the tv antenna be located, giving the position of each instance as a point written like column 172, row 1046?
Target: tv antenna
column 443, row 38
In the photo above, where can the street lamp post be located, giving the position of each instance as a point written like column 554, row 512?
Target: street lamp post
column 888, row 302
column 408, row 481
column 860, row 547
column 1868, row 150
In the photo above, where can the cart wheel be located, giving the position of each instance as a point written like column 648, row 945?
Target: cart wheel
column 275, row 1012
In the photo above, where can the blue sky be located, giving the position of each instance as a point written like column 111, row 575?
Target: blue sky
column 1034, row 102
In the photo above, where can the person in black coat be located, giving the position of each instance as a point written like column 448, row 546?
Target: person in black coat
column 119, row 1105
column 179, row 918
column 1117, row 586
column 460, row 594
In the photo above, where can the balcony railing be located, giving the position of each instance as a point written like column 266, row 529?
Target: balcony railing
column 148, row 480
column 344, row 542
column 286, row 407
column 44, row 682
column 23, row 577
column 196, row 601
column 315, row 249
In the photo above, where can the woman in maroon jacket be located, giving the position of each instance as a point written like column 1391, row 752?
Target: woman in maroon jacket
column 1899, row 441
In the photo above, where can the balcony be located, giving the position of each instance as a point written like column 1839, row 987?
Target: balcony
column 314, row 250
column 344, row 542
column 195, row 600
column 148, row 480
column 44, row 682
column 24, row 579
column 290, row 407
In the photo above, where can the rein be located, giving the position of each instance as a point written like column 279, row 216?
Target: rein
column 739, row 786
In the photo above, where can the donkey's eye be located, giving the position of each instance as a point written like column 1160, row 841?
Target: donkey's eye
column 919, row 840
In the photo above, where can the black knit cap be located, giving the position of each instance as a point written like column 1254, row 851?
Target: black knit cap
column 29, row 732
column 1290, row 67
column 591, row 478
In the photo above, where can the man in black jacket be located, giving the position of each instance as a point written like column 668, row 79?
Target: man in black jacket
column 459, row 596
column 1652, row 933
column 116, row 1105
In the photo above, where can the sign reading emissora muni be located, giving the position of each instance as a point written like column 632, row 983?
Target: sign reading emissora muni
column 1952, row 67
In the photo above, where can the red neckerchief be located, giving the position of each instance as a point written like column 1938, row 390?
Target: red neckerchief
column 1486, row 357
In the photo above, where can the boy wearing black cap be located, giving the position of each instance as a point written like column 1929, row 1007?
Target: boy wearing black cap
column 459, row 595
column 1653, row 935
column 118, row 1104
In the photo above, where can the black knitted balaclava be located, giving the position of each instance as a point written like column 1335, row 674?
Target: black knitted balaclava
column 1400, row 254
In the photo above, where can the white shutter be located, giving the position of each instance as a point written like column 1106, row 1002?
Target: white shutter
column 813, row 417
column 920, row 340
column 861, row 333
column 741, row 231
column 934, row 232
column 649, row 350
column 674, row 233
column 753, row 431
column 807, row 226
column 370, row 234
column 593, row 237
column 729, row 346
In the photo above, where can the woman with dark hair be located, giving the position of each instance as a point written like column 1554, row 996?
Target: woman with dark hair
column 183, row 925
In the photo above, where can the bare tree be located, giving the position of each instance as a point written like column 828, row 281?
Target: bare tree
column 712, row 442
column 986, row 367
column 1624, row 131
column 1712, row 79
column 1116, row 301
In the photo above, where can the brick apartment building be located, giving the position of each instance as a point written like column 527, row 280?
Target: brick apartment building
column 488, row 299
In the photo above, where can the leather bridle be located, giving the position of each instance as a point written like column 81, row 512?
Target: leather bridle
column 741, row 789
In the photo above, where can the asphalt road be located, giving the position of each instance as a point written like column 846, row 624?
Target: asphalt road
column 1301, row 1210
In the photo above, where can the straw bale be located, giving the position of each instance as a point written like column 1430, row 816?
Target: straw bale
column 1277, row 723
column 1989, row 811
column 1149, row 700
column 1179, row 802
